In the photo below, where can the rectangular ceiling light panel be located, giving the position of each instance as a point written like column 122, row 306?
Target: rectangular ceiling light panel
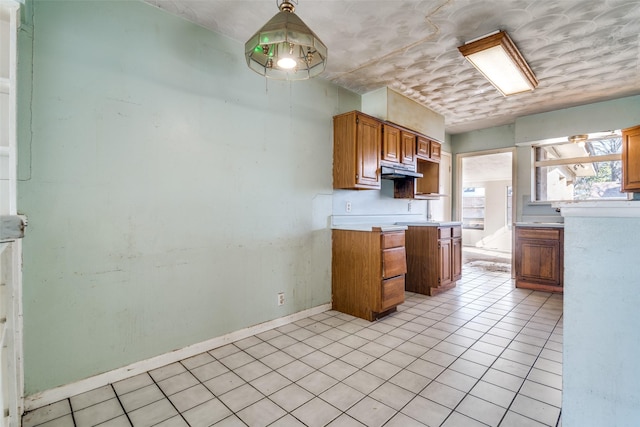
column 498, row 59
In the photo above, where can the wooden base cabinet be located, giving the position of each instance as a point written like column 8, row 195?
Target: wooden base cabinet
column 539, row 258
column 368, row 272
column 434, row 258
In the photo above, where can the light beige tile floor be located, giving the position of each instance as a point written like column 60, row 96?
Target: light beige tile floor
column 482, row 354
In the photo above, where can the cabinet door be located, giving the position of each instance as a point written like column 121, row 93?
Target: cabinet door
column 631, row 159
column 422, row 147
column 444, row 249
column 390, row 144
column 456, row 259
column 368, row 151
column 408, row 148
column 435, row 154
column 538, row 261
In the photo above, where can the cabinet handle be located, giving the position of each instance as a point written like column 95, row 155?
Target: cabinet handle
column 357, row 176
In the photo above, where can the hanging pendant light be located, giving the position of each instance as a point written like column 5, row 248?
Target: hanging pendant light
column 285, row 48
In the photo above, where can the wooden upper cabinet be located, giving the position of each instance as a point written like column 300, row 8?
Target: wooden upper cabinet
column 408, row 148
column 356, row 151
column 423, row 147
column 631, row 159
column 398, row 145
column 427, row 149
column 435, row 153
column 391, row 143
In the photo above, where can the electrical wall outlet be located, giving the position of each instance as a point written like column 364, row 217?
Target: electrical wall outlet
column 347, row 207
column 281, row 298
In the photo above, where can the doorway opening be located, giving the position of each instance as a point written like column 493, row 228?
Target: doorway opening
column 485, row 207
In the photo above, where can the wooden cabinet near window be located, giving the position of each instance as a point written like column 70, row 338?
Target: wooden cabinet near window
column 539, row 258
column 368, row 272
column 356, row 151
column 434, row 258
column 631, row 159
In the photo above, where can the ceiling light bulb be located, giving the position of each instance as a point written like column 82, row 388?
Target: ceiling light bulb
column 287, row 63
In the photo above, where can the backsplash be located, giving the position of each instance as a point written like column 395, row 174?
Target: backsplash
column 354, row 206
column 539, row 212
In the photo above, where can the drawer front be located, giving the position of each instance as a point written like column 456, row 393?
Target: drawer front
column 538, row 233
column 456, row 231
column 392, row 240
column 394, row 262
column 392, row 292
column 444, row 232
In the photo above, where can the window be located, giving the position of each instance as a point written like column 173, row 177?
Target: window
column 473, row 208
column 589, row 169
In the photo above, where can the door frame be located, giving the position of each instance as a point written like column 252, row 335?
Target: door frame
column 514, row 186
column 12, row 377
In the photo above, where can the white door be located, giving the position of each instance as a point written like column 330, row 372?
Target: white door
column 11, row 378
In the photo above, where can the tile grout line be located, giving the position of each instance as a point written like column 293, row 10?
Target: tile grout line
column 469, row 347
column 121, row 405
column 166, row 397
column 478, row 339
column 531, row 368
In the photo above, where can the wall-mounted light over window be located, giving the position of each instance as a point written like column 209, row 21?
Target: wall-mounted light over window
column 498, row 59
column 285, row 48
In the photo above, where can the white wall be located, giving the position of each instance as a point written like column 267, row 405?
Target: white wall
column 496, row 234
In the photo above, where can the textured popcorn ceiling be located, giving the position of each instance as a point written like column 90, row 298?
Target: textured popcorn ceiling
column 581, row 51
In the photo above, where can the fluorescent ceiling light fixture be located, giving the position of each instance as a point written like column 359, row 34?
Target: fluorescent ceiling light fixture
column 498, row 59
column 285, row 48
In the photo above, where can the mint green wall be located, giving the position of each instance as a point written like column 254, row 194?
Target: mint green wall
column 171, row 192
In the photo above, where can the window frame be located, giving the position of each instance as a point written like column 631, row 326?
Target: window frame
column 536, row 164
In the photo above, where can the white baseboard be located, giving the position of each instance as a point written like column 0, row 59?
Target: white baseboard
column 66, row 391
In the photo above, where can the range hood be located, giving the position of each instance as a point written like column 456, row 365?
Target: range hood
column 398, row 172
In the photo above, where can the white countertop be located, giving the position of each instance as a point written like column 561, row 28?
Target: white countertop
column 540, row 224
column 370, row 227
column 600, row 208
column 430, row 223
